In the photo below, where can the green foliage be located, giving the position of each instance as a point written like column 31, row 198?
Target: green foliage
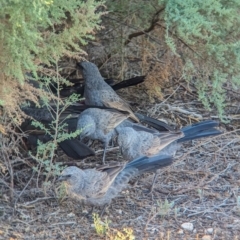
column 42, row 31
column 61, row 192
column 164, row 208
column 100, row 227
column 209, row 27
column 204, row 33
column 140, row 12
column 125, row 234
column 56, row 129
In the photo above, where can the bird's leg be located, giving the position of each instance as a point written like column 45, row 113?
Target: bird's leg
column 153, row 182
column 112, row 142
column 89, row 142
column 91, row 211
column 103, row 210
column 104, row 153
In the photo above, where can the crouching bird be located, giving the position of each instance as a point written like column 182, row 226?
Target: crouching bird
column 99, row 186
column 99, row 124
column 135, row 142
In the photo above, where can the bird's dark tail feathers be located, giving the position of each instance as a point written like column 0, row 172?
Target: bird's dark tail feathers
column 155, row 123
column 129, row 82
column 76, row 149
column 199, row 130
column 148, row 164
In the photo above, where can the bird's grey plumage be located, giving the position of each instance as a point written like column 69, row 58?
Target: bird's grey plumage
column 138, row 142
column 99, row 124
column 99, row 93
column 100, row 186
column 135, row 143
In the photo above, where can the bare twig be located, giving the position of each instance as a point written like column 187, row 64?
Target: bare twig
column 108, row 150
column 63, row 223
column 181, row 110
column 149, row 29
column 23, row 190
column 36, row 201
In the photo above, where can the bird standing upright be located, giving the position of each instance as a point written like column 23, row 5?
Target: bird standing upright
column 98, row 93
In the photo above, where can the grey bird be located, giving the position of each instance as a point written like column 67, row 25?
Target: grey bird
column 99, row 124
column 97, row 92
column 134, row 143
column 99, row 186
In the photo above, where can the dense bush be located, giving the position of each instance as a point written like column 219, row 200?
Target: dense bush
column 211, row 29
column 36, row 33
column 203, row 34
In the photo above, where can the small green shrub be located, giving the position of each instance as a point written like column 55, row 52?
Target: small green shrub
column 100, row 227
column 56, row 129
column 210, row 29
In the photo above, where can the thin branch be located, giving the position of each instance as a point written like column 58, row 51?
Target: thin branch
column 178, row 109
column 154, row 21
column 23, row 189
column 35, row 201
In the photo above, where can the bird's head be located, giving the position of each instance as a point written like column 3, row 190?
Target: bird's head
column 89, row 70
column 86, row 125
column 125, row 136
column 71, row 176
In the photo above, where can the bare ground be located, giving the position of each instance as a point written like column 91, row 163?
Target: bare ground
column 201, row 187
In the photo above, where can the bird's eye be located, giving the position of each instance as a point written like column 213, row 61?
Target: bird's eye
column 68, row 176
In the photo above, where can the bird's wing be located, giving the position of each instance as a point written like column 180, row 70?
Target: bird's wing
column 154, row 146
column 95, row 184
column 169, row 137
column 113, row 119
column 99, row 180
column 112, row 100
column 159, row 141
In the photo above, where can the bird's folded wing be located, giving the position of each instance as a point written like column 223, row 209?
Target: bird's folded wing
column 98, row 182
column 154, row 147
column 161, row 140
column 113, row 101
column 95, row 183
column 114, row 119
